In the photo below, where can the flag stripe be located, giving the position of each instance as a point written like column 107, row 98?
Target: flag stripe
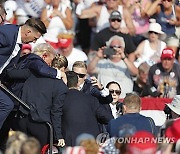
column 154, row 103
column 158, row 116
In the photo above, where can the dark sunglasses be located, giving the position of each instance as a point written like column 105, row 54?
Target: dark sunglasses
column 167, row 0
column 118, row 92
column 116, row 46
column 113, row 20
column 81, row 75
column 150, row 32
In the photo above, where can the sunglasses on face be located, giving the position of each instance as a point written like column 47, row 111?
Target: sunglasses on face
column 167, row 0
column 151, row 32
column 113, row 20
column 81, row 75
column 117, row 92
column 112, row 0
column 115, row 46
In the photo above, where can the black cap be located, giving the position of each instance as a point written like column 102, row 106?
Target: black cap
column 115, row 15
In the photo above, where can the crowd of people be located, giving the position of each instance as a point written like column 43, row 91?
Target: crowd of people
column 82, row 66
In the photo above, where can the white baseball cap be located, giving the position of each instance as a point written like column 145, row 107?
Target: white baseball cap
column 175, row 104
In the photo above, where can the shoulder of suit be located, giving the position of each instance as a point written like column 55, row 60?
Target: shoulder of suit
column 9, row 29
column 10, row 26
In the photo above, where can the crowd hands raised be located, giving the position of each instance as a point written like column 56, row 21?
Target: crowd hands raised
column 73, row 61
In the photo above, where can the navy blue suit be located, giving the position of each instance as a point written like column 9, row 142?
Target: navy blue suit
column 43, row 79
column 81, row 114
column 45, row 96
column 89, row 89
column 33, row 62
column 8, row 39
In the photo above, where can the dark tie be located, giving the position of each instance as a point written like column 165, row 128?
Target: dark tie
column 20, row 45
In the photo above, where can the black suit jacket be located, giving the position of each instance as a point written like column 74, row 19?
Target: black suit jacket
column 81, row 114
column 8, row 40
column 30, row 61
column 45, row 97
column 89, row 89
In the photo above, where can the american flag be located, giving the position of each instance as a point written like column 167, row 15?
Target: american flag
column 153, row 107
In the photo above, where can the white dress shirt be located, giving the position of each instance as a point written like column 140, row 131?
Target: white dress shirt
column 114, row 110
column 15, row 51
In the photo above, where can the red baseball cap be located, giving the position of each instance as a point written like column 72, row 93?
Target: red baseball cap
column 173, row 132
column 64, row 42
column 26, row 46
column 142, row 142
column 167, row 53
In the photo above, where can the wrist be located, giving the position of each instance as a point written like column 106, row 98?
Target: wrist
column 48, row 19
column 177, row 23
column 101, row 88
column 124, row 57
column 60, row 16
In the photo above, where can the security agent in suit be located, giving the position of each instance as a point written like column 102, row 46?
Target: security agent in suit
column 91, row 86
column 11, row 39
column 39, row 61
column 45, row 96
column 81, row 112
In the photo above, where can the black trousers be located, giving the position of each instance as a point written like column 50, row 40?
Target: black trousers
column 38, row 130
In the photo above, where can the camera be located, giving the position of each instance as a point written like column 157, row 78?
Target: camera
column 119, row 108
column 167, row 111
column 108, row 52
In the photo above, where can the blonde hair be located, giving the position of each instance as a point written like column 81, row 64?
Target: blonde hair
column 14, row 142
column 43, row 48
column 132, row 101
column 144, row 67
column 59, row 61
column 31, row 146
column 90, row 146
column 66, row 35
column 80, row 64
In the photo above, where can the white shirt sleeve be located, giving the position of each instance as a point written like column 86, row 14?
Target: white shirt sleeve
column 104, row 92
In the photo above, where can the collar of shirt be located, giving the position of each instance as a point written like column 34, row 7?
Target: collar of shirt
column 81, row 86
column 113, row 109
column 113, row 106
column 19, row 40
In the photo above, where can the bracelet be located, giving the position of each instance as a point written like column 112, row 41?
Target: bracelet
column 124, row 58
